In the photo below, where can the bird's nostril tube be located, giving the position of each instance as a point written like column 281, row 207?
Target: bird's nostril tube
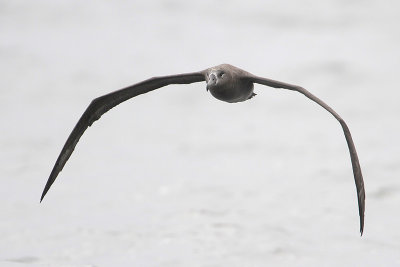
column 212, row 79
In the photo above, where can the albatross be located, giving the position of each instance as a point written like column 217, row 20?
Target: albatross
column 226, row 83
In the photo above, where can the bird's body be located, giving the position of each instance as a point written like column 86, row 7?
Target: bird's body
column 225, row 82
column 229, row 86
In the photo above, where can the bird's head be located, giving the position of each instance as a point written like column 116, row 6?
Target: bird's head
column 218, row 78
column 228, row 83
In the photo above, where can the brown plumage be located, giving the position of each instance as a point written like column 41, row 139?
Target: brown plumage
column 226, row 83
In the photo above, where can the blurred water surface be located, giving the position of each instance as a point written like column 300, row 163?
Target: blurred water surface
column 177, row 178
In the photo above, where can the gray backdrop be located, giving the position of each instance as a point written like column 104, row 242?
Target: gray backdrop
column 178, row 178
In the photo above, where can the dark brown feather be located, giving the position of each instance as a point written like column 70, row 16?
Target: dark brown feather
column 102, row 104
column 358, row 178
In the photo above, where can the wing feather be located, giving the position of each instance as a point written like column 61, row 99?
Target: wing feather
column 104, row 103
column 358, row 178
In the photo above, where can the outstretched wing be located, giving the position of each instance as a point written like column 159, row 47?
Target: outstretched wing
column 353, row 153
column 102, row 104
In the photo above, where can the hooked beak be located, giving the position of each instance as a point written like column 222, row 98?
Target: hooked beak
column 212, row 80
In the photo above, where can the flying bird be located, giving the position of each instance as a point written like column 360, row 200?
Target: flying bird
column 226, row 83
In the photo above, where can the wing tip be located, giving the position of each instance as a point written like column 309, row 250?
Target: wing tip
column 46, row 188
column 362, row 225
column 43, row 194
column 361, row 221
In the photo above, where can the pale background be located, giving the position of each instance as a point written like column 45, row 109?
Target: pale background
column 177, row 178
